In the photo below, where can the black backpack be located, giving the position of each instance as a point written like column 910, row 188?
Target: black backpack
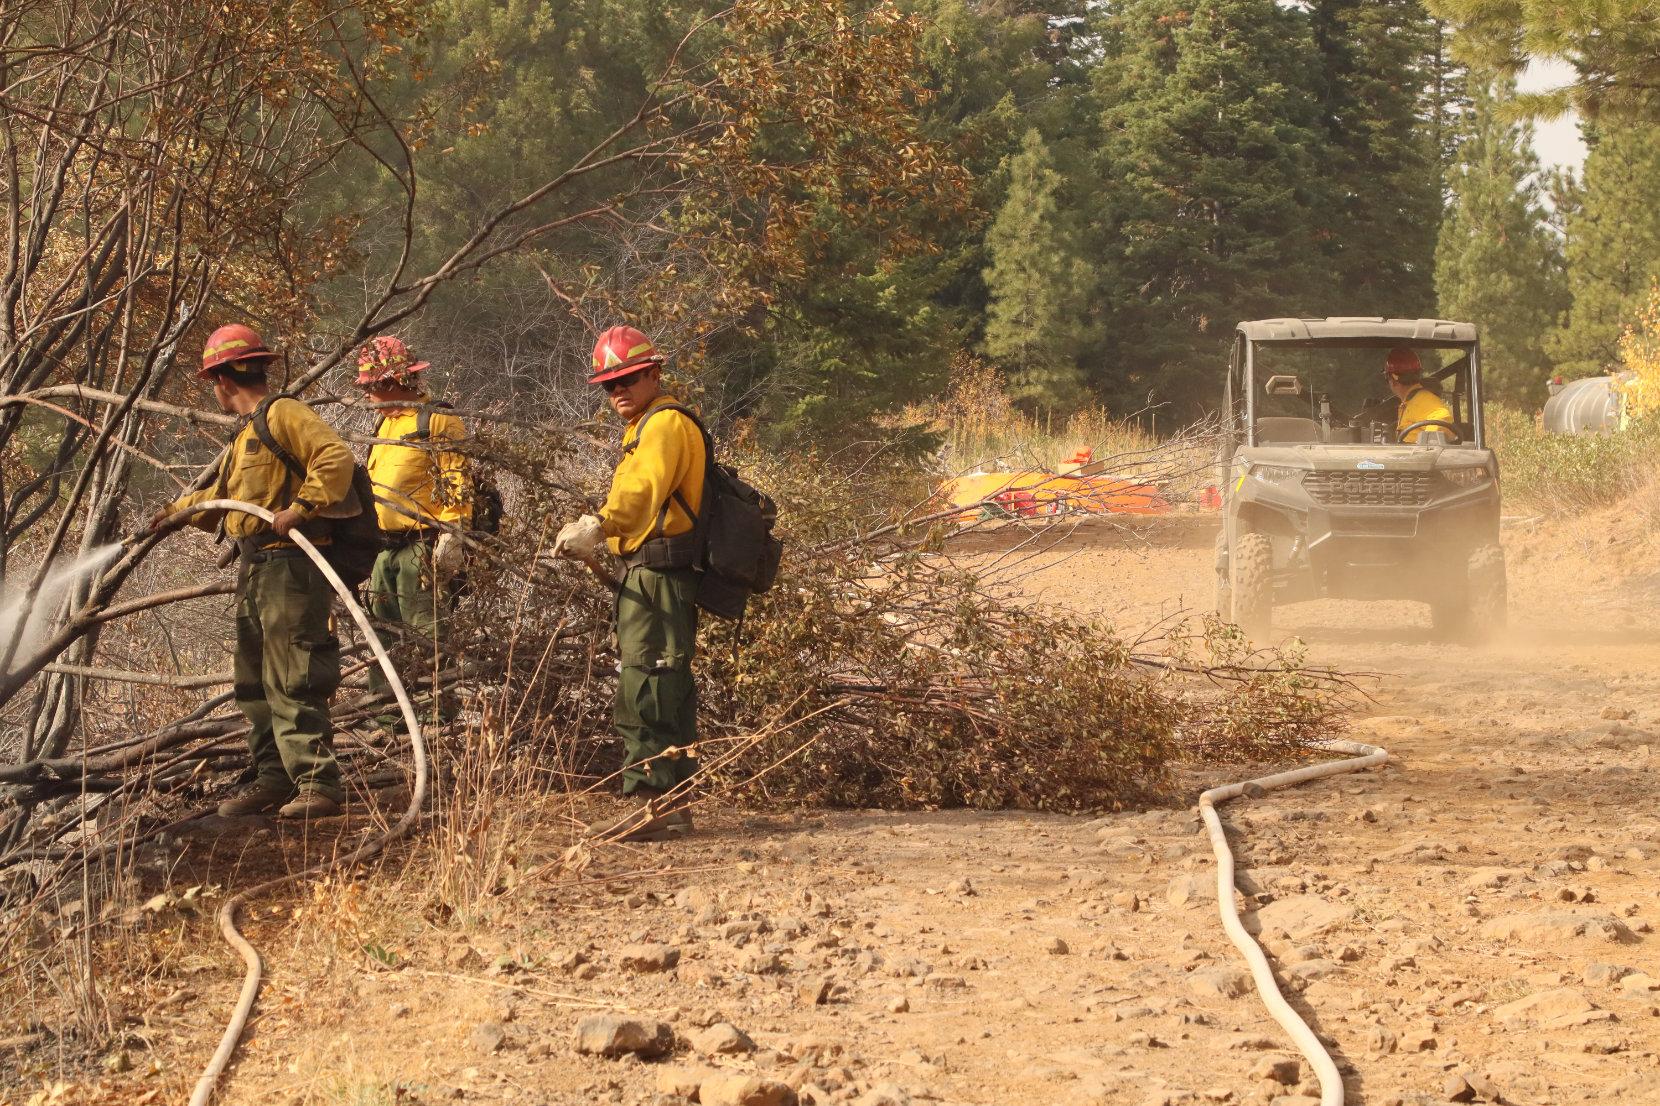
column 736, row 554
column 354, row 530
column 487, row 501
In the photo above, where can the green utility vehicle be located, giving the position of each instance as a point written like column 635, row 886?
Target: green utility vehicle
column 1323, row 497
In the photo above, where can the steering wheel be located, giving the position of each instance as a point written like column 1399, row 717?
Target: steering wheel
column 1449, row 427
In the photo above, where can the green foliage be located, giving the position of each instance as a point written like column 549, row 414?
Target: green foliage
column 1210, row 134
column 1039, row 317
column 1569, row 473
column 1612, row 248
column 1133, row 179
column 727, row 175
column 1380, row 78
column 1497, row 263
column 835, row 355
column 1612, row 45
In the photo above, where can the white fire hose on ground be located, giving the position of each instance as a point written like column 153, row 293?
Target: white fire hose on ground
column 209, row 1080
column 1308, row 1043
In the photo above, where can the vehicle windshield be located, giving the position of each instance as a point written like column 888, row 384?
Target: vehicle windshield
column 1303, row 394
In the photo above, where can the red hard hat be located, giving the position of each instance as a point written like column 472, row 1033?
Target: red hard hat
column 1403, row 362
column 231, row 343
column 620, row 351
column 385, row 358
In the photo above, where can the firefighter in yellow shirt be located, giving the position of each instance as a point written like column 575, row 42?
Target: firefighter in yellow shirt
column 287, row 658
column 423, row 496
column 1405, row 374
column 648, row 521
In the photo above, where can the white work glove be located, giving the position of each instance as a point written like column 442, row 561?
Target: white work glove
column 580, row 540
column 449, row 557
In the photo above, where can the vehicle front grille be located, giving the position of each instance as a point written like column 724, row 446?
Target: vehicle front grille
column 1369, row 489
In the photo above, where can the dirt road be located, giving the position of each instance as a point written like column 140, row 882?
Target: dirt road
column 1475, row 922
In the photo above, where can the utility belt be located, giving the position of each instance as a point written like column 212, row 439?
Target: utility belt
column 679, row 551
column 402, row 539
column 269, row 546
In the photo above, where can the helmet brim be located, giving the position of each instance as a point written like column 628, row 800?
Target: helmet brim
column 208, row 372
column 364, row 380
column 625, row 368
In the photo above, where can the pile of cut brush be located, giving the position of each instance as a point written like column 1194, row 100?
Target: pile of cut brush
column 892, row 666
column 900, row 669
column 883, row 671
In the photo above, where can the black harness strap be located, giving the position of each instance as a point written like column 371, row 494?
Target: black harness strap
column 675, row 496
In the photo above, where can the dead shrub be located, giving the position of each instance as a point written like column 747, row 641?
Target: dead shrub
column 894, row 675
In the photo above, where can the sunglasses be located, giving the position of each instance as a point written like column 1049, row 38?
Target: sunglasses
column 622, row 382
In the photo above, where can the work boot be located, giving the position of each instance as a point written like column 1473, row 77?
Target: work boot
column 311, row 804
column 256, row 800
column 652, row 820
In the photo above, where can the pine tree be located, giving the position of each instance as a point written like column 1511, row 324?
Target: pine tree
column 1380, row 165
column 1612, row 46
column 838, row 350
column 1037, row 320
column 1613, row 247
column 1446, row 100
column 1210, row 152
column 1498, row 264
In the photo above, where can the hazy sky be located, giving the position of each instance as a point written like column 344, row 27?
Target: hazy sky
column 1557, row 141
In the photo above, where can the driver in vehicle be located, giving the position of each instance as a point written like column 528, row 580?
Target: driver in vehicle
column 1418, row 404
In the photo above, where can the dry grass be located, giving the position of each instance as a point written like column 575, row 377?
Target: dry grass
column 980, row 427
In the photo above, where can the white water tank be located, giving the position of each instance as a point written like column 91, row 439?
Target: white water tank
column 1590, row 405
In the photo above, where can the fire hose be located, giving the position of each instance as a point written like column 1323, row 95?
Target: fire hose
column 209, row 1080
column 1308, row 1043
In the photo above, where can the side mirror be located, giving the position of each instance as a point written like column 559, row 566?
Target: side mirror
column 1284, row 385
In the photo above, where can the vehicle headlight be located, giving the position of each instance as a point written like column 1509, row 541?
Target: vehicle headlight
column 1467, row 476
column 1275, row 474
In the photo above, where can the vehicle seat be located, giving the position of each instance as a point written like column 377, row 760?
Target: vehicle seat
column 1283, row 430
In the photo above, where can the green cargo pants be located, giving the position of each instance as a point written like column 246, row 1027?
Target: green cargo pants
column 400, row 587
column 656, row 699
column 400, row 591
column 287, row 666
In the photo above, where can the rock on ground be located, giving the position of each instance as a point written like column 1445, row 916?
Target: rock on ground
column 1556, row 1008
column 613, row 1035
column 488, row 1038
column 722, row 1039
column 680, row 1080
column 649, row 957
column 1546, row 928
column 726, row 1089
column 1297, row 916
column 1223, row 982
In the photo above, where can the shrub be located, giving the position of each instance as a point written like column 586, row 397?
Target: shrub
column 886, row 672
column 1640, row 358
column 1568, row 473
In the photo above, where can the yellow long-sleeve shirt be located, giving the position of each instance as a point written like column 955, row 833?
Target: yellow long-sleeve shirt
column 1420, row 405
column 418, row 479
column 255, row 475
column 669, row 457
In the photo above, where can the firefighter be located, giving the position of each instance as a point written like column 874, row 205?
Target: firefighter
column 287, row 657
column 647, row 521
column 423, row 496
column 1405, row 374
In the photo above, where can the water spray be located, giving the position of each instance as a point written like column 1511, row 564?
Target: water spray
column 20, row 616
